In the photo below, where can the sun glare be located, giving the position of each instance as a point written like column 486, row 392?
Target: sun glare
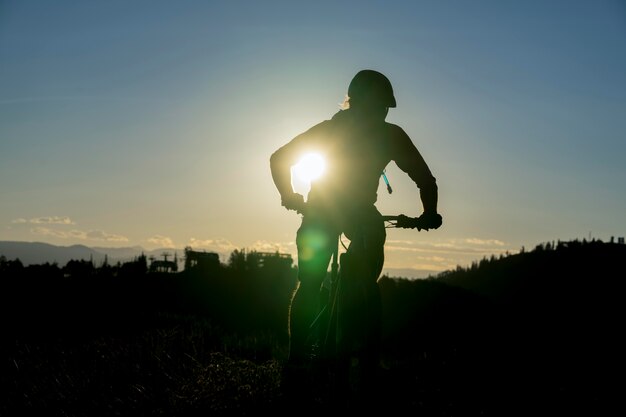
column 310, row 167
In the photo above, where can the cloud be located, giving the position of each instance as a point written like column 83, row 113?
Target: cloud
column 161, row 241
column 443, row 254
column 45, row 231
column 400, row 242
column 45, row 220
column 265, row 246
column 467, row 246
column 489, row 242
column 394, row 248
column 79, row 234
column 109, row 237
column 52, row 220
column 216, row 245
column 433, row 267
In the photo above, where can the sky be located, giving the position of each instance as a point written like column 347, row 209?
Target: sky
column 151, row 123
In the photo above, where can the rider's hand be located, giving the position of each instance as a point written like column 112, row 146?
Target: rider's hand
column 431, row 220
column 293, row 201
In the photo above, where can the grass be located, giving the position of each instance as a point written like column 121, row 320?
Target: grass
column 183, row 366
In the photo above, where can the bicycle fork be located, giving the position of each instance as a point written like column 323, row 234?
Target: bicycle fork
column 331, row 330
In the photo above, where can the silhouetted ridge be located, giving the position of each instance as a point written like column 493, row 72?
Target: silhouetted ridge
column 506, row 336
column 534, row 329
column 550, row 272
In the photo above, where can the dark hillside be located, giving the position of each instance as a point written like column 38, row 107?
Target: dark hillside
column 566, row 293
column 536, row 329
column 536, row 332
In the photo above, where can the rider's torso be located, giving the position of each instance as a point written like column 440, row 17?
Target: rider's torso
column 356, row 153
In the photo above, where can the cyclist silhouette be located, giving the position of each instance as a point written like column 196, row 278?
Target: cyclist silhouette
column 357, row 144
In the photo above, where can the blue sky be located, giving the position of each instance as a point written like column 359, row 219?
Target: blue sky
column 151, row 122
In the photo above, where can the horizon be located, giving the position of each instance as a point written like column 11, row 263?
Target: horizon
column 151, row 124
column 398, row 273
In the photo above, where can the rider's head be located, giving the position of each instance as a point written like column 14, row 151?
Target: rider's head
column 371, row 91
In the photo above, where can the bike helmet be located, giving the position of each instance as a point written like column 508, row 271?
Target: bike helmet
column 369, row 84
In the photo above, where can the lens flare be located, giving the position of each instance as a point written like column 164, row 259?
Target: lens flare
column 310, row 167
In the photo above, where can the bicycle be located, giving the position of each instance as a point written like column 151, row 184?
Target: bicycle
column 332, row 365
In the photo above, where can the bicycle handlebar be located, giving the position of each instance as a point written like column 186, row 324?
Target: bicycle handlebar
column 405, row 222
column 395, row 221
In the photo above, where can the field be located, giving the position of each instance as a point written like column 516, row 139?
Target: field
column 131, row 343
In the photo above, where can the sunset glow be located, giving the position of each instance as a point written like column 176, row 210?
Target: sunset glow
column 117, row 130
column 310, row 167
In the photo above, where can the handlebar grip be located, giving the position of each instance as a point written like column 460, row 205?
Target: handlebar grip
column 406, row 222
column 409, row 222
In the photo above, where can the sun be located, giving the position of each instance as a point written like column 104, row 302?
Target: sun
column 310, row 167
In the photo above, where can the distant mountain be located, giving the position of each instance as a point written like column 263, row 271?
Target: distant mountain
column 39, row 253
column 32, row 253
column 125, row 253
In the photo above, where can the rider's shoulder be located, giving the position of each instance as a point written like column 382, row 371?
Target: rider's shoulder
column 318, row 128
column 395, row 132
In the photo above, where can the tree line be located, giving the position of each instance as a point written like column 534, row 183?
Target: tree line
column 527, row 329
column 241, row 294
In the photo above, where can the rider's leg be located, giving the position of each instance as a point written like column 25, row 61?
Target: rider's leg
column 314, row 252
column 361, row 306
column 361, row 267
column 315, row 246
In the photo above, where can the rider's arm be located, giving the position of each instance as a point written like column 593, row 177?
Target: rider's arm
column 280, row 166
column 409, row 160
column 284, row 158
